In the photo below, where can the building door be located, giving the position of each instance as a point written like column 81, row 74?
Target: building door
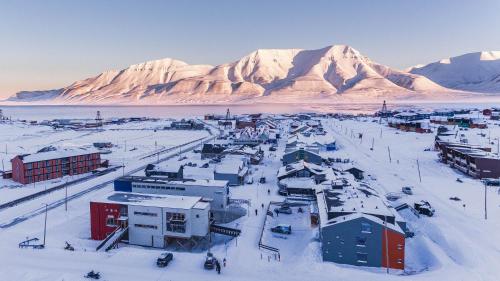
column 123, row 223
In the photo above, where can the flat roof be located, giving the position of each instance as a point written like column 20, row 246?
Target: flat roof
column 56, row 154
column 150, row 200
column 190, row 182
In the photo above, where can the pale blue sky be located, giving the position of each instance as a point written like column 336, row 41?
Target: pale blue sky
column 49, row 44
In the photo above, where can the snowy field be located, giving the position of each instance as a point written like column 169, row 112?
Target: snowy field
column 131, row 142
column 456, row 244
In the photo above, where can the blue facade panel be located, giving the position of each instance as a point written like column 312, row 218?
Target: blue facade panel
column 123, row 185
column 347, row 243
column 331, row 146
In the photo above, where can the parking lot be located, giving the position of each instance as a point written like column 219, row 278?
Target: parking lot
column 301, row 231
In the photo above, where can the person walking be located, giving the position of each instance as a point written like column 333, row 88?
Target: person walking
column 217, row 266
column 224, row 262
column 262, row 205
column 256, row 211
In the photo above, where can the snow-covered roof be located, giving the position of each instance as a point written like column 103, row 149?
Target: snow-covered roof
column 191, row 182
column 169, row 167
column 298, row 182
column 352, row 202
column 302, row 146
column 198, row 173
column 149, row 200
column 57, row 154
column 229, row 166
column 300, row 165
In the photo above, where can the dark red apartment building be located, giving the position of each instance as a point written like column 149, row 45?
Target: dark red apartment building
column 42, row 166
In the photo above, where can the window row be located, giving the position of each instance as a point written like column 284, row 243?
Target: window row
column 158, row 187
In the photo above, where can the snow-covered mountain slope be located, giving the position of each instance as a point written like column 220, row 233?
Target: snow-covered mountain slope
column 272, row 73
column 36, row 95
column 477, row 72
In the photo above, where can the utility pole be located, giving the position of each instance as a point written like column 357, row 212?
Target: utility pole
column 418, row 167
column 45, row 224
column 157, row 153
column 373, row 142
column 485, row 201
column 386, row 244
column 66, row 196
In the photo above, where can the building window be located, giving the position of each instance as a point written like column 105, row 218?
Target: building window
column 340, row 255
column 400, row 247
column 145, row 214
column 362, row 257
column 176, row 222
column 366, row 227
column 361, row 241
column 110, row 221
column 146, row 226
column 400, row 261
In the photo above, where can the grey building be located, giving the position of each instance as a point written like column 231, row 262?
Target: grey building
column 211, row 150
column 301, row 154
column 356, row 228
column 234, row 172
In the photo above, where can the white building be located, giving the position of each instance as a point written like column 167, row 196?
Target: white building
column 214, row 191
column 155, row 219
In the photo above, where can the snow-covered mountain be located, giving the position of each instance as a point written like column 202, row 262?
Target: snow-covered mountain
column 477, row 72
column 273, row 74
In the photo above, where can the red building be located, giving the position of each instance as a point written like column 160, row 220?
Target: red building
column 105, row 218
column 242, row 124
column 42, row 166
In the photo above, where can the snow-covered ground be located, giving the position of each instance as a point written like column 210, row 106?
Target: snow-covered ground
column 456, row 244
column 131, row 143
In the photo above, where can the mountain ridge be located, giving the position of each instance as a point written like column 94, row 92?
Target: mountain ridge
column 476, row 72
column 333, row 72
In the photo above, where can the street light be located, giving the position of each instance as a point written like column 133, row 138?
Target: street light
column 45, row 224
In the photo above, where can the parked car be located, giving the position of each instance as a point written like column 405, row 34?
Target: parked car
column 164, row 259
column 423, row 207
column 283, row 192
column 491, row 182
column 262, row 180
column 392, row 196
column 282, row 229
column 209, row 261
column 272, row 148
column 284, row 210
column 407, row 190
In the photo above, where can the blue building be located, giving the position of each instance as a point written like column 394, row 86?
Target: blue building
column 331, row 146
column 357, row 228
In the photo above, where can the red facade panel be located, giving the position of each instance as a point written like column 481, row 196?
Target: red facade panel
column 100, row 213
column 393, row 243
column 50, row 169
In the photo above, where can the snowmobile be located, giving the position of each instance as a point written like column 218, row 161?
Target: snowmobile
column 93, row 275
column 69, row 247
